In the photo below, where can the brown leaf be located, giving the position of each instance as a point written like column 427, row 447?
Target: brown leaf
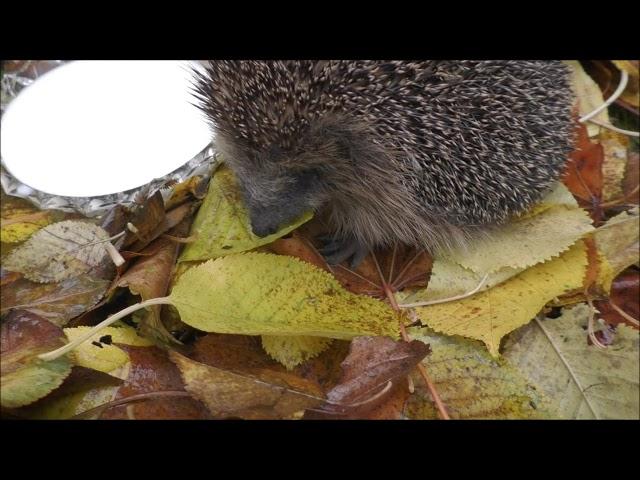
column 625, row 291
column 24, row 378
column 269, row 395
column 583, row 173
column 57, row 302
column 146, row 218
column 396, row 268
column 244, row 354
column 372, row 380
column 172, row 219
column 152, row 371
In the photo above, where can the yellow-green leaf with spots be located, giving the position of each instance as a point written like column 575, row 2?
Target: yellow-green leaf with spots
column 222, row 226
column 490, row 315
column 264, row 294
column 293, row 350
column 472, row 384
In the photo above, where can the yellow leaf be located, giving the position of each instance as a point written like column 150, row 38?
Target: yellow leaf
column 631, row 93
column 19, row 224
column 222, row 223
column 489, row 315
column 294, row 350
column 589, row 96
column 471, row 383
column 106, row 358
column 528, row 240
column 256, row 293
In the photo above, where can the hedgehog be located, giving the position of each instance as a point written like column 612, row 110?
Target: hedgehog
column 422, row 153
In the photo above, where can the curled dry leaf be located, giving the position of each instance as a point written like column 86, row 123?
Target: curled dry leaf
column 371, row 375
column 269, row 395
column 145, row 218
column 149, row 277
column 25, row 378
column 60, row 251
column 625, row 292
column 57, row 302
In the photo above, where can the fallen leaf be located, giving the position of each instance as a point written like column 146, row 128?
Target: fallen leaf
column 101, row 356
column 57, row 302
column 631, row 94
column 490, row 315
column 145, row 217
column 625, row 292
column 588, row 94
column 615, row 146
column 374, row 364
column 60, row 251
column 291, row 351
column 583, row 171
column 24, row 377
column 270, row 395
column 264, row 294
column 581, row 380
column 151, row 372
column 529, row 240
column 472, row 384
column 81, row 391
column 222, row 224
column 617, row 243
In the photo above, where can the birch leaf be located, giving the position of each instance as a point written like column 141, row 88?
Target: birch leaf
column 489, row 315
column 583, row 381
column 553, row 226
column 472, row 384
column 264, row 294
column 222, row 224
column 56, row 252
column 291, row 351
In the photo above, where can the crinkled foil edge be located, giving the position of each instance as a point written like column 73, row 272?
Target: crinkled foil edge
column 204, row 163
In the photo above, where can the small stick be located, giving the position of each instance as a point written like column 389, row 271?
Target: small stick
column 450, row 299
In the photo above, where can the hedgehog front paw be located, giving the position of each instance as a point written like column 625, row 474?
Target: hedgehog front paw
column 337, row 250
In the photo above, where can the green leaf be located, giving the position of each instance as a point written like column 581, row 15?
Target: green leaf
column 583, row 381
column 25, row 378
column 263, row 294
column 293, row 350
column 222, row 224
column 471, row 383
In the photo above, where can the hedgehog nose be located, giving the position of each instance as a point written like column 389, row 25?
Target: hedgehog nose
column 262, row 229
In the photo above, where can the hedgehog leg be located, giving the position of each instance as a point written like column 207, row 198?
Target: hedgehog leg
column 337, row 251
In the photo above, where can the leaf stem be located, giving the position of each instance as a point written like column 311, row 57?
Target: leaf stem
column 442, row 411
column 449, row 299
column 105, row 323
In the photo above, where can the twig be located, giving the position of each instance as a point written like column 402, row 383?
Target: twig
column 442, row 411
column 624, row 314
column 624, row 78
